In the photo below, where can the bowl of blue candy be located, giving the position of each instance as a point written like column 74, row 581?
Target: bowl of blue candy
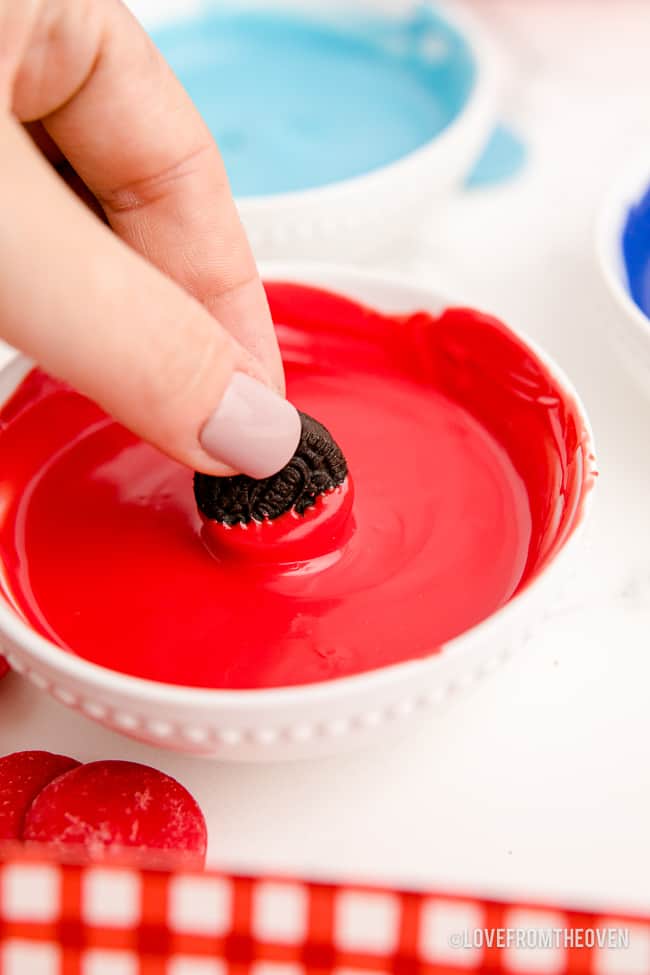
column 339, row 122
column 623, row 242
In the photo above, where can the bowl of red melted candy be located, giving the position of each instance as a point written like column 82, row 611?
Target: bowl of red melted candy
column 470, row 463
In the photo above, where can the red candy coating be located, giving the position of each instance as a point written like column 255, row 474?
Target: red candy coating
column 4, row 667
column 468, row 461
column 22, row 777
column 323, row 528
column 123, row 806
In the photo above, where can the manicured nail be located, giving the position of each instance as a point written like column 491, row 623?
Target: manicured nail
column 253, row 430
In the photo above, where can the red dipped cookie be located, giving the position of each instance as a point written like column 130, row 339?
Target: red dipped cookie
column 123, row 808
column 22, row 776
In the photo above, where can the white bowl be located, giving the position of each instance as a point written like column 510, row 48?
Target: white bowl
column 295, row 722
column 355, row 218
column 630, row 330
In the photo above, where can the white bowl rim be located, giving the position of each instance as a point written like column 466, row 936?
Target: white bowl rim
column 253, row 700
column 480, row 101
column 623, row 193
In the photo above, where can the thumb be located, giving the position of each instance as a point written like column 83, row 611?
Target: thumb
column 93, row 312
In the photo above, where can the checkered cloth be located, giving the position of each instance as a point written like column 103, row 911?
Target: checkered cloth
column 112, row 920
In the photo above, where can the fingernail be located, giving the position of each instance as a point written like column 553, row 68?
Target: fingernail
column 253, row 430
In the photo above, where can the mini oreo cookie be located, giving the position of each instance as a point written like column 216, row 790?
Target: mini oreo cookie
column 317, row 466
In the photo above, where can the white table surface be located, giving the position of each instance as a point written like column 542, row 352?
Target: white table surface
column 538, row 784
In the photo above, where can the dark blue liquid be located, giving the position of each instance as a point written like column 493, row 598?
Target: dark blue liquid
column 636, row 252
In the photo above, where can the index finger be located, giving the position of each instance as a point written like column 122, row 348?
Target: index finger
column 114, row 107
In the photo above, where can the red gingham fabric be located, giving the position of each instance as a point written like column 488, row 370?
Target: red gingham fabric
column 112, row 920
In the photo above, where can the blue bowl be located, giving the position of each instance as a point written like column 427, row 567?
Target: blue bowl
column 623, row 244
column 342, row 126
column 298, row 99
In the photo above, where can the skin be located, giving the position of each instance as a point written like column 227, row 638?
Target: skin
column 124, row 268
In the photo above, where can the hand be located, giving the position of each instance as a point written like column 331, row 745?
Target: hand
column 163, row 321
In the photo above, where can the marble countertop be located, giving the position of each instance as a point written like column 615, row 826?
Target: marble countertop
column 538, row 783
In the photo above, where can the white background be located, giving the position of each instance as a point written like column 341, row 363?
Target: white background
column 537, row 784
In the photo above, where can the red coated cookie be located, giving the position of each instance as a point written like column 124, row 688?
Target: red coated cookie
column 22, row 776
column 123, row 807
